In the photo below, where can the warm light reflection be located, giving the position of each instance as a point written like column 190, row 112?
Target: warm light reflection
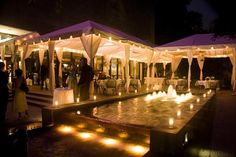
column 100, row 130
column 85, row 135
column 191, row 107
column 77, row 100
column 119, row 93
column 137, row 149
column 109, row 141
column 94, row 97
column 198, row 100
column 78, row 112
column 81, row 126
column 66, row 129
column 171, row 122
column 179, row 114
column 123, row 135
column 119, row 102
column 56, row 103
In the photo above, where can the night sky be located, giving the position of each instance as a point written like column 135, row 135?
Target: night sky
column 157, row 21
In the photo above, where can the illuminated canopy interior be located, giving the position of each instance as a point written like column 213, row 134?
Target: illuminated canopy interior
column 201, row 46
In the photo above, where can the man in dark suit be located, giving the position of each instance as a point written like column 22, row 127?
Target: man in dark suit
column 3, row 93
column 86, row 76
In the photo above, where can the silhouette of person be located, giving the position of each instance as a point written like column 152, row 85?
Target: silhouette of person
column 3, row 93
column 72, row 79
column 86, row 76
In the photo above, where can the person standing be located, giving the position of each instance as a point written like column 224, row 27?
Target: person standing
column 4, row 93
column 72, row 79
column 86, row 76
column 20, row 103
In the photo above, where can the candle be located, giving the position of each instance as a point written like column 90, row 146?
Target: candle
column 171, row 122
column 179, row 114
column 119, row 93
column 77, row 100
column 94, row 97
column 198, row 100
column 191, row 107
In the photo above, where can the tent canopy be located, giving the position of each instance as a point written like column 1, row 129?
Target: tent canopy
column 111, row 44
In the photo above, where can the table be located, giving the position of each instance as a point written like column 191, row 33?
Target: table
column 63, row 96
column 212, row 84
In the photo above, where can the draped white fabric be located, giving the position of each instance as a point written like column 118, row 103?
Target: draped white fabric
column 127, row 55
column 41, row 55
column 59, row 53
column 135, row 73
column 51, row 48
column 190, row 59
column 91, row 44
column 149, row 58
column 164, row 68
column 3, row 52
column 122, row 68
column 141, row 71
column 106, row 65
column 25, row 54
column 231, row 57
column 200, row 60
column 234, row 70
column 174, row 64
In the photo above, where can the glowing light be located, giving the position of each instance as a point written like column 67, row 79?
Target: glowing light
column 95, row 111
column 110, row 38
column 56, row 103
column 78, row 112
column 135, row 91
column 171, row 122
column 77, row 100
column 65, row 129
column 59, row 38
column 94, row 97
column 178, row 49
column 204, row 95
column 186, row 137
column 109, row 141
column 85, row 135
column 123, row 135
column 71, row 37
column 191, row 107
column 166, row 50
column 198, row 100
column 119, row 93
column 100, row 129
column 30, row 36
column 212, row 48
column 81, row 126
column 137, row 149
column 179, row 114
column 147, row 89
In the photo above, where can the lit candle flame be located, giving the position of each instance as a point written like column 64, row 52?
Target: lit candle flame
column 179, row 114
column 171, row 122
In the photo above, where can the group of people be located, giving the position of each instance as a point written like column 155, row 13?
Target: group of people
column 19, row 104
column 80, row 88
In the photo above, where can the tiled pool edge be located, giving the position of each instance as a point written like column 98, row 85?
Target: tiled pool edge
column 173, row 143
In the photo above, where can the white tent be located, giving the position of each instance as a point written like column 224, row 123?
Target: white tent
column 91, row 39
column 201, row 46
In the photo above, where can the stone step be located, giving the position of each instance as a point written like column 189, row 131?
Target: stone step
column 38, row 103
column 40, row 98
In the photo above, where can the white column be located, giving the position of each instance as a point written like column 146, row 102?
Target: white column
column 127, row 55
column 141, row 71
column 135, row 72
column 51, row 49
column 190, row 59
